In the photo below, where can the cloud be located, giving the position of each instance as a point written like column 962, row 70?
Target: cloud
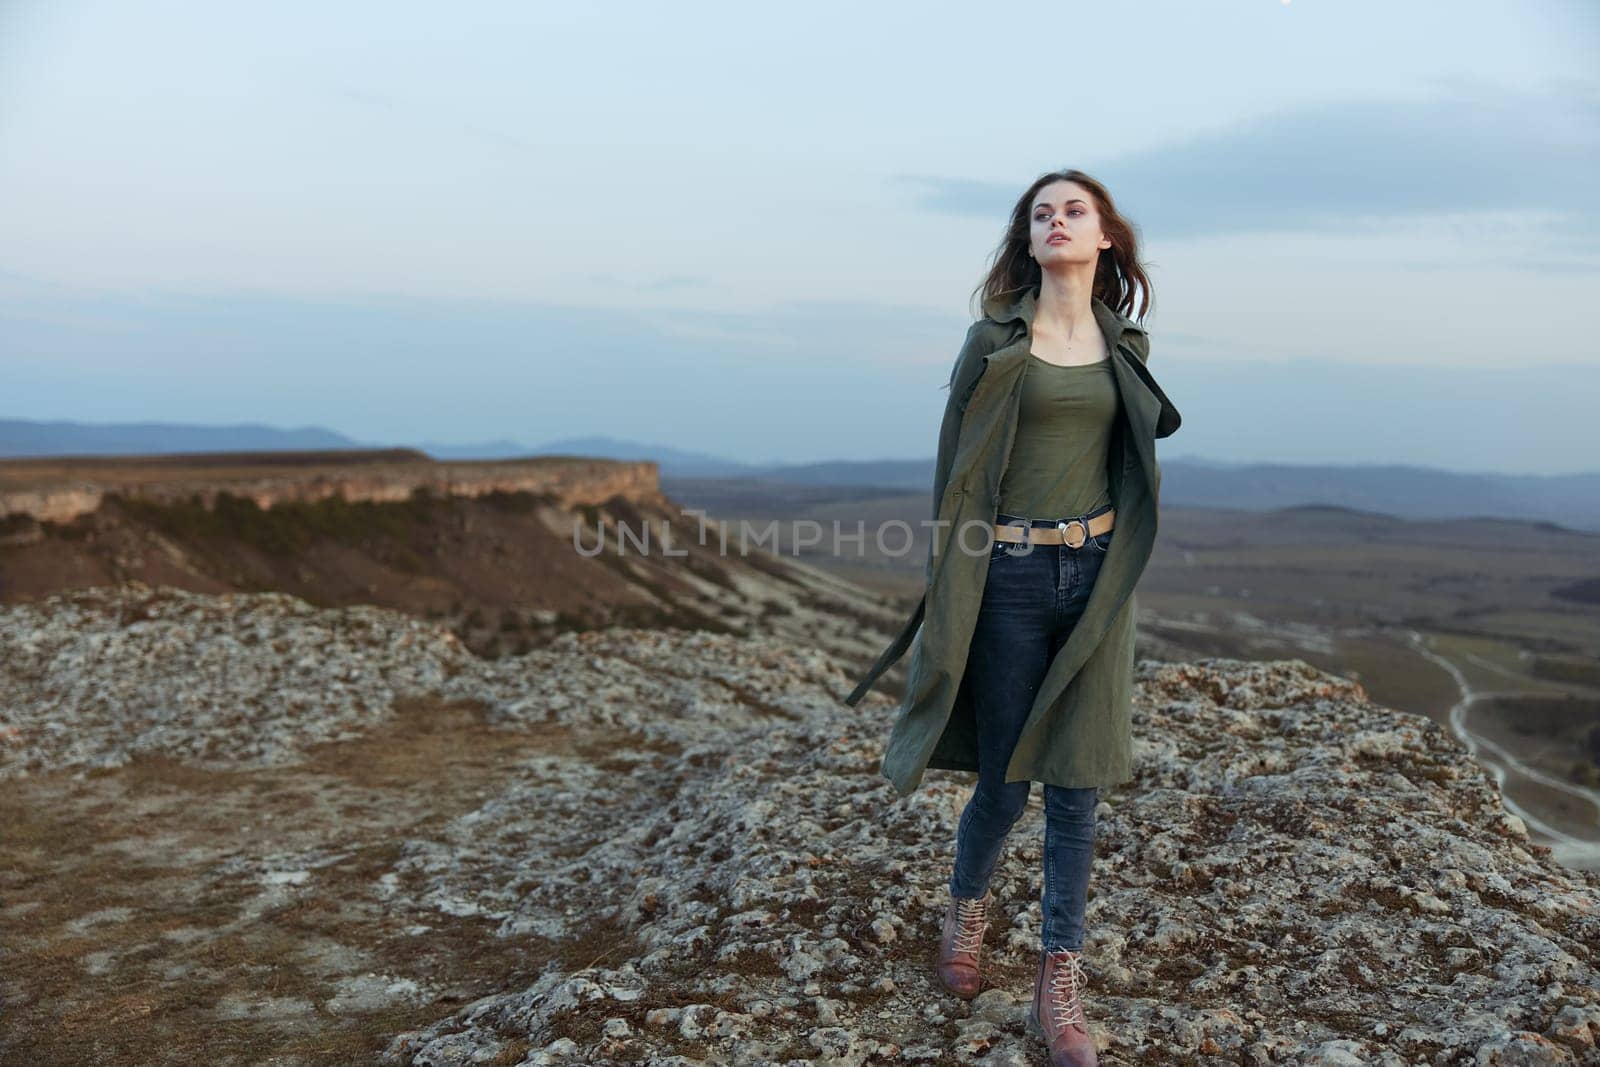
column 1464, row 154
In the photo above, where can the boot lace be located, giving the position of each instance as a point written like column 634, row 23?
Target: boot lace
column 971, row 922
column 1067, row 976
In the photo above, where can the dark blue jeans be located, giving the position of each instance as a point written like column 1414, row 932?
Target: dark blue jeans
column 1032, row 598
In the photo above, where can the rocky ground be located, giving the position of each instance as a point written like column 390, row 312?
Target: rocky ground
column 238, row 829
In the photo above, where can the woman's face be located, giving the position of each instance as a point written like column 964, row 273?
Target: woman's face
column 1065, row 226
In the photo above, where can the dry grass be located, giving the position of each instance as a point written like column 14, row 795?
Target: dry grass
column 178, row 851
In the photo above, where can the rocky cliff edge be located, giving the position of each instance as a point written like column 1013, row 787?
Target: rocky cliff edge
column 706, row 866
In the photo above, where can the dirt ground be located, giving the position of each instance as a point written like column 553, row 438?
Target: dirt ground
column 162, row 914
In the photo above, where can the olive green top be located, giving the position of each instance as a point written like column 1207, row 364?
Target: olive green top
column 1058, row 460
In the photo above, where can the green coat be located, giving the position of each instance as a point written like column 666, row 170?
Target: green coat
column 1078, row 732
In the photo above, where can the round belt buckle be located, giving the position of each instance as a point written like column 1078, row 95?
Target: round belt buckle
column 1083, row 532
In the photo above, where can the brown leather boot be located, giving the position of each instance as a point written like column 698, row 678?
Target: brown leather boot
column 965, row 920
column 1056, row 1016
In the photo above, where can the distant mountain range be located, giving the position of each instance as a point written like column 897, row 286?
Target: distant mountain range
column 1397, row 489
column 25, row 437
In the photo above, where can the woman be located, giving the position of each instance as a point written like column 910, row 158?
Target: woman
column 1022, row 668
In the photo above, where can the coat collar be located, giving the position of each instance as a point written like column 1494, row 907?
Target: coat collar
column 1020, row 304
column 1152, row 412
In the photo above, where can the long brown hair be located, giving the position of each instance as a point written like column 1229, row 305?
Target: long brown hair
column 1116, row 275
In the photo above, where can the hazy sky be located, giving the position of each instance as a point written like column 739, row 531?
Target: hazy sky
column 754, row 231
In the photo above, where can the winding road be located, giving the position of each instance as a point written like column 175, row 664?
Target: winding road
column 1568, row 849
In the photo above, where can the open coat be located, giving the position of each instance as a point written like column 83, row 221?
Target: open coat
column 1079, row 730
